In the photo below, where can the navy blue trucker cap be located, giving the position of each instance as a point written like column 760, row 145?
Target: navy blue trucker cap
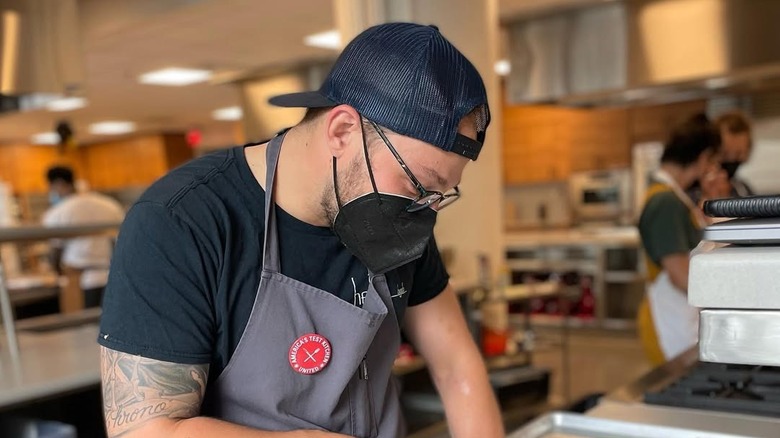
column 410, row 79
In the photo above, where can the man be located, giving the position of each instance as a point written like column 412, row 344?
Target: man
column 261, row 291
column 670, row 227
column 71, row 208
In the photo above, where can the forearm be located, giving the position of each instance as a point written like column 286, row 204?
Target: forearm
column 439, row 332
column 676, row 266
column 147, row 398
column 469, row 401
column 204, row 427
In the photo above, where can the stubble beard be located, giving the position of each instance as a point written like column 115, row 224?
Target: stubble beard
column 348, row 181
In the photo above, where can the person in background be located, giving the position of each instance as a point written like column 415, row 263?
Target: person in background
column 670, row 227
column 737, row 138
column 72, row 208
column 737, row 144
column 261, row 291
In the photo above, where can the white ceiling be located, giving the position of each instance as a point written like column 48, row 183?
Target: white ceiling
column 124, row 38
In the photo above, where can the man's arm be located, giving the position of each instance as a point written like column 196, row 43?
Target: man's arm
column 439, row 332
column 150, row 398
column 676, row 265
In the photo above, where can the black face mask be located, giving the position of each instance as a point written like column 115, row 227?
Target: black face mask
column 377, row 228
column 731, row 167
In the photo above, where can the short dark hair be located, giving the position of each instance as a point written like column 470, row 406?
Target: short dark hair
column 735, row 122
column 60, row 173
column 314, row 113
column 690, row 140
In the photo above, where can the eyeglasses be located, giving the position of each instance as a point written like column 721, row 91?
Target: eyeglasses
column 427, row 198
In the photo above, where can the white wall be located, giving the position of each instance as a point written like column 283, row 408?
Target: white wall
column 762, row 172
column 523, row 204
column 474, row 225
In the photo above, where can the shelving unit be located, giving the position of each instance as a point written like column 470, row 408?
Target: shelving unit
column 611, row 260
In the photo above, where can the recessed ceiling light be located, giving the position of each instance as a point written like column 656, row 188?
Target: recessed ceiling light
column 325, row 40
column 637, row 94
column 66, row 104
column 112, row 127
column 502, row 67
column 715, row 83
column 229, row 113
column 175, row 77
column 46, row 138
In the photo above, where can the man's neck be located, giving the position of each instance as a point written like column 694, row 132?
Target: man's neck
column 679, row 174
column 299, row 176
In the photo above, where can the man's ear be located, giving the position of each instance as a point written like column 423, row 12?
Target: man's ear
column 342, row 124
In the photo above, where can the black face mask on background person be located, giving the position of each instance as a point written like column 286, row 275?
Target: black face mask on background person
column 731, row 167
column 377, row 228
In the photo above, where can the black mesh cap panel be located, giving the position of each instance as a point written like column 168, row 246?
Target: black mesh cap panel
column 409, row 78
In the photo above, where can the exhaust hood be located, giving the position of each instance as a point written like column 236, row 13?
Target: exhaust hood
column 40, row 50
column 635, row 50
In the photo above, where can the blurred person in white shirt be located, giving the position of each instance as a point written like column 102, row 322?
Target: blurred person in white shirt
column 70, row 207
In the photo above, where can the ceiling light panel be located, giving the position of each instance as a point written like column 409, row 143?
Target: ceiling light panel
column 112, row 127
column 46, row 138
column 175, row 77
column 229, row 113
column 324, row 40
column 66, row 104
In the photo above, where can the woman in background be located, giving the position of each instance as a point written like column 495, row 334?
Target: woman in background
column 670, row 227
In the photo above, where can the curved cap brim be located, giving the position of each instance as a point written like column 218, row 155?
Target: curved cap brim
column 306, row 99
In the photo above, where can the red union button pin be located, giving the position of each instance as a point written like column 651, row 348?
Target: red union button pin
column 309, row 354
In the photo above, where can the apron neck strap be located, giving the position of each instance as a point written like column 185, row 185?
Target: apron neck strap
column 271, row 259
column 664, row 177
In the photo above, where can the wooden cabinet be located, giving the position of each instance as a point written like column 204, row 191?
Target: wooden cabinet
column 125, row 163
column 545, row 143
column 132, row 162
column 533, row 144
column 655, row 123
column 548, row 143
column 24, row 166
column 598, row 139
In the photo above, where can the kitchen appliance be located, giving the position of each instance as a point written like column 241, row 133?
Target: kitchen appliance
column 602, row 196
column 734, row 280
column 745, row 389
column 730, row 384
column 645, row 160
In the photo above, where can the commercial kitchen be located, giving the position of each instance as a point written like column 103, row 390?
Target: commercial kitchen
column 583, row 94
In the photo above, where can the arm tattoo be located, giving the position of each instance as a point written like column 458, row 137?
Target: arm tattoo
column 137, row 389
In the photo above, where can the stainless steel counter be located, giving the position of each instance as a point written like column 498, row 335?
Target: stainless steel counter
column 31, row 234
column 691, row 419
column 48, row 364
column 625, row 403
column 612, row 236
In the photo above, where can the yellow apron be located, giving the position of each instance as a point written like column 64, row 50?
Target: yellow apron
column 666, row 323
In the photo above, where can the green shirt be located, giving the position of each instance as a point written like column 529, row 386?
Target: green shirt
column 666, row 226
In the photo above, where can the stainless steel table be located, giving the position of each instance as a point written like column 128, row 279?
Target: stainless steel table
column 31, row 234
column 48, row 364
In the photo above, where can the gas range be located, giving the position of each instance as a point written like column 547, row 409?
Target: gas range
column 686, row 393
column 745, row 389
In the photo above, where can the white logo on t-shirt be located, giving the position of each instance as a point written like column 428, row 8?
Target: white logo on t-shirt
column 400, row 291
column 359, row 297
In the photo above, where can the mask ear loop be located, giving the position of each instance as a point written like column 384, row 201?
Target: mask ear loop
column 368, row 162
column 336, row 184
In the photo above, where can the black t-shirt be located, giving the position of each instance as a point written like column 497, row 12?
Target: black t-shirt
column 188, row 260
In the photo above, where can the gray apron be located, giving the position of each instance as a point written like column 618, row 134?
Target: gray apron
column 353, row 393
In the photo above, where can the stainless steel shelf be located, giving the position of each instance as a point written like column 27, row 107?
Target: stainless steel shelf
column 622, row 277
